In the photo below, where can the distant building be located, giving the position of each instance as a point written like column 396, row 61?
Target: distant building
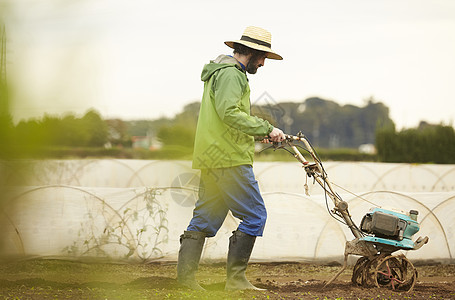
column 146, row 142
column 367, row 149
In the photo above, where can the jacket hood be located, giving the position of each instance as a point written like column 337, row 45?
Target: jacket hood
column 222, row 61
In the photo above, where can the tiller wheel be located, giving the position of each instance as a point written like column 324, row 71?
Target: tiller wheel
column 396, row 273
column 357, row 272
column 388, row 271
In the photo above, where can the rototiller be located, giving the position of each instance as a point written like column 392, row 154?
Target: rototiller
column 381, row 232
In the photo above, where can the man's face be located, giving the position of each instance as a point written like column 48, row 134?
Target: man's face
column 255, row 62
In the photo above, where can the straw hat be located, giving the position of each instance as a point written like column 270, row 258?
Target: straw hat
column 257, row 38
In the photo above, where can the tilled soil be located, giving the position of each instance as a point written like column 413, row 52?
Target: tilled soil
column 60, row 279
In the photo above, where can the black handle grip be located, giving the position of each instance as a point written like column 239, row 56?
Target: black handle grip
column 261, row 138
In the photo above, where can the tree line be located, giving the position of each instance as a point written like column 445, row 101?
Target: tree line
column 327, row 124
column 50, row 132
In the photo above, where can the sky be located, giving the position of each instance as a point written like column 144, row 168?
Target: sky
column 143, row 59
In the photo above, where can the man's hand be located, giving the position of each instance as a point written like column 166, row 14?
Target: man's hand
column 277, row 135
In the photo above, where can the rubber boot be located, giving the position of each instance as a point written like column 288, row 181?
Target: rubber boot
column 191, row 244
column 240, row 247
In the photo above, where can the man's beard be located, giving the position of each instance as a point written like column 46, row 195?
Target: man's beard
column 252, row 65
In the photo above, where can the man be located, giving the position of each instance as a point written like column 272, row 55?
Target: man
column 224, row 150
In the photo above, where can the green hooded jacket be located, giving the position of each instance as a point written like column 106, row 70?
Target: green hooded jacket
column 225, row 129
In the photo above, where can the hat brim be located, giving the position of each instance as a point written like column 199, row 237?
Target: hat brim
column 270, row 53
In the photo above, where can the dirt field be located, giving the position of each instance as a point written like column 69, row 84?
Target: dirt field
column 59, row 279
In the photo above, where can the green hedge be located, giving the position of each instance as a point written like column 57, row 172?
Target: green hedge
column 171, row 152
column 427, row 144
column 175, row 152
column 343, row 154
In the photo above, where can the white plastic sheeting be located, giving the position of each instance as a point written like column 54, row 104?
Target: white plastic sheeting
column 272, row 176
column 136, row 209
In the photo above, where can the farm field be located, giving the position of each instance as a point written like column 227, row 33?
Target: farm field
column 62, row 279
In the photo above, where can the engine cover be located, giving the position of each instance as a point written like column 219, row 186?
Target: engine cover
column 388, row 224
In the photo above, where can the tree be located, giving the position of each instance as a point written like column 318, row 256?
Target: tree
column 96, row 128
column 177, row 135
column 117, row 132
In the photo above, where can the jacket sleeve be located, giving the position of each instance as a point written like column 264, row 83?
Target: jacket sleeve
column 229, row 88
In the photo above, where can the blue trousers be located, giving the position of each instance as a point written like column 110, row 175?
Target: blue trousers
column 224, row 189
